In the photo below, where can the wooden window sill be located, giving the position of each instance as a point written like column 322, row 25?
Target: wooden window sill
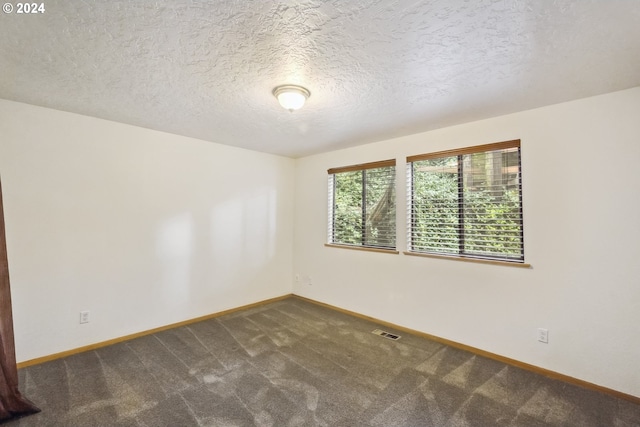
column 470, row 259
column 362, row 248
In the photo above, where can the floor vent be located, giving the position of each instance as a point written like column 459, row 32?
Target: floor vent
column 386, row 334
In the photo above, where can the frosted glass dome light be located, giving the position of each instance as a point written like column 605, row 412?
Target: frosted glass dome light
column 291, row 97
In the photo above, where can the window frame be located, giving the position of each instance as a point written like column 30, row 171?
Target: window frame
column 461, row 255
column 331, row 220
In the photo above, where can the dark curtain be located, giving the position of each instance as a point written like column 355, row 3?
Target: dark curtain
column 12, row 403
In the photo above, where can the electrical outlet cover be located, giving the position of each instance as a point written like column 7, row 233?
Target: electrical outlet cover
column 84, row 317
column 543, row 335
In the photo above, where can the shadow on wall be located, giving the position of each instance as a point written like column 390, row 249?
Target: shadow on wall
column 241, row 240
column 175, row 243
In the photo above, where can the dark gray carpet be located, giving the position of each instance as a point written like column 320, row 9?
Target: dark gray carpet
column 293, row 363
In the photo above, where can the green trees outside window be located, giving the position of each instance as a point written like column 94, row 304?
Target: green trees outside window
column 467, row 203
column 362, row 210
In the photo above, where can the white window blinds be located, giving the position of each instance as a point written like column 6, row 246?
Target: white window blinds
column 467, row 202
column 362, row 209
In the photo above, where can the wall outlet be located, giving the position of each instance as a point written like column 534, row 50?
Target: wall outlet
column 543, row 335
column 303, row 279
column 84, row 317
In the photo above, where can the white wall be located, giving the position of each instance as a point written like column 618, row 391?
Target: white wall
column 581, row 195
column 142, row 228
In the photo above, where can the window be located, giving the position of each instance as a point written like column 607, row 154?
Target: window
column 467, row 202
column 362, row 206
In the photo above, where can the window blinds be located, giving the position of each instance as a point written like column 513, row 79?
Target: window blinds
column 467, row 202
column 362, row 210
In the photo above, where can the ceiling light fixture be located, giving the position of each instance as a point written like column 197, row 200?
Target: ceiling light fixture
column 291, row 97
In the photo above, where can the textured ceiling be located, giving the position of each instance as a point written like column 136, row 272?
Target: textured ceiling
column 375, row 69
